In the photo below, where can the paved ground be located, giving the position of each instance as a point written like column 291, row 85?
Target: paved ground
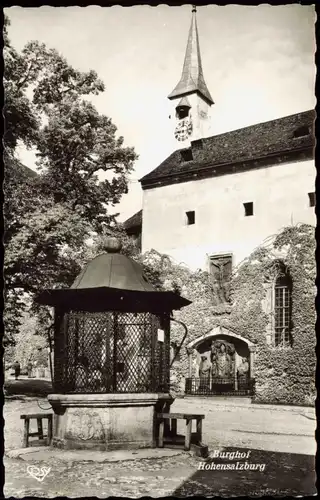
column 262, row 427
column 27, row 386
column 280, row 441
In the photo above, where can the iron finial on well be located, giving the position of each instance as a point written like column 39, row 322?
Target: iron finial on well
column 110, row 244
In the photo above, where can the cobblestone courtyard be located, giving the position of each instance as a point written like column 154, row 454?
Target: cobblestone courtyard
column 282, row 438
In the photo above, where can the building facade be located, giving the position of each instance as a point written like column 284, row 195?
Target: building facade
column 209, row 206
column 232, row 192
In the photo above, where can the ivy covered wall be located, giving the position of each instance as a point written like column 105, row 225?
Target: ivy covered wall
column 283, row 374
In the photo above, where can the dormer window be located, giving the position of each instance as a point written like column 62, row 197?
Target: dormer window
column 301, row 132
column 186, row 155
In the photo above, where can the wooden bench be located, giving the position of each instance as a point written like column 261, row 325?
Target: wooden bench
column 173, row 417
column 39, row 417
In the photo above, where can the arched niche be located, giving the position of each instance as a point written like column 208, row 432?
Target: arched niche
column 243, row 347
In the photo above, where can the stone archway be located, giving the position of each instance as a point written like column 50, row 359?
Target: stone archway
column 242, row 347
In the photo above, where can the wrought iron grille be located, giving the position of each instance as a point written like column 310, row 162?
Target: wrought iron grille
column 111, row 352
column 220, row 386
column 282, row 334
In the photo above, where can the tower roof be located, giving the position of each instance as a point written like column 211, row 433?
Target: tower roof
column 184, row 102
column 192, row 79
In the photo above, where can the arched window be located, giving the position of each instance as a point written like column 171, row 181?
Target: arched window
column 282, row 308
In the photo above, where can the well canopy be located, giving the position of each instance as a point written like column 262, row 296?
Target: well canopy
column 112, row 282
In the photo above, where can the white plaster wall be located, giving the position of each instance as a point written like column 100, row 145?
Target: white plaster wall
column 279, row 194
column 200, row 112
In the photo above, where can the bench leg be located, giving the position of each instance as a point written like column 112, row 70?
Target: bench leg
column 166, row 427
column 188, row 435
column 25, row 443
column 49, row 430
column 199, row 430
column 174, row 426
column 40, row 428
column 161, row 433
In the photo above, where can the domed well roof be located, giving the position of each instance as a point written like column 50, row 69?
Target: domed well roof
column 112, row 282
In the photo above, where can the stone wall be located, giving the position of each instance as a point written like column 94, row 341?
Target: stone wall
column 283, row 375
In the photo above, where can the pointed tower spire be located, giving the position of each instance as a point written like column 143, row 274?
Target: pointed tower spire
column 192, row 79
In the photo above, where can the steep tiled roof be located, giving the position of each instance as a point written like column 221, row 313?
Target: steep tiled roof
column 277, row 137
column 135, row 221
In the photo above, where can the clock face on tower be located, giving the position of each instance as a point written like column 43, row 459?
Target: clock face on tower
column 183, row 130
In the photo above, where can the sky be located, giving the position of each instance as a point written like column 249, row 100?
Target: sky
column 258, row 64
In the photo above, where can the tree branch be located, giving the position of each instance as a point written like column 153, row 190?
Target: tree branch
column 24, row 80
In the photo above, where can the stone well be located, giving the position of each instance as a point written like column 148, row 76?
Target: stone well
column 111, row 355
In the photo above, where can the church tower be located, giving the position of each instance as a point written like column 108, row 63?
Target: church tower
column 191, row 98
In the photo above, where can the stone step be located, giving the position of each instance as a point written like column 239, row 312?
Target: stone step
column 225, row 400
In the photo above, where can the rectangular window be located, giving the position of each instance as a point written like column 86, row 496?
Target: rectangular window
column 220, row 273
column 282, row 315
column 312, row 199
column 190, row 218
column 248, row 208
